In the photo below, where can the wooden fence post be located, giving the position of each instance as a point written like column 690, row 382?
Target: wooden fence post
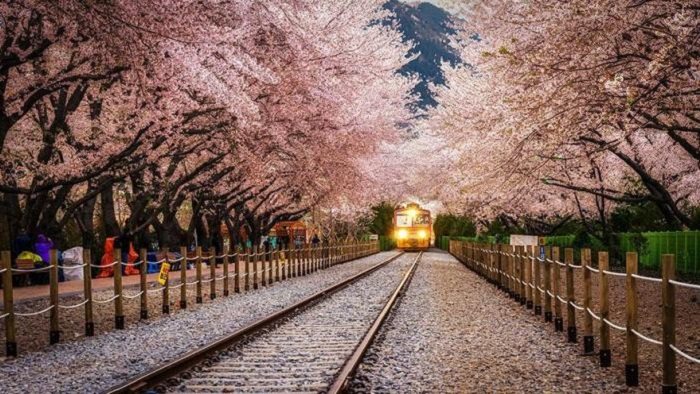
column 255, row 266
column 263, row 266
column 668, row 321
column 284, row 257
column 183, row 278
column 198, row 271
column 8, row 305
column 538, row 293
column 54, row 333
column 270, row 264
column 212, row 274
column 226, row 253
column 588, row 343
column 276, row 259
column 305, row 258
column 87, row 293
column 548, row 284
column 292, row 260
column 237, row 270
column 118, row 291
column 523, row 282
column 603, row 265
column 529, row 304
column 570, row 296
column 556, row 289
column 143, row 284
column 632, row 348
column 166, row 287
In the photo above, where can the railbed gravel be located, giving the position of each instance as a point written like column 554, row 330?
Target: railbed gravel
column 452, row 332
column 303, row 353
column 97, row 363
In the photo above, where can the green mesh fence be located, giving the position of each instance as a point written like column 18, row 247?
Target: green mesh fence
column 685, row 245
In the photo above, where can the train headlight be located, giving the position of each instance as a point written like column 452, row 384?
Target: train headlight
column 422, row 234
column 402, row 234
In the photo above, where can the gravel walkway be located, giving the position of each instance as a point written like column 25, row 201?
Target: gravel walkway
column 454, row 333
column 97, row 363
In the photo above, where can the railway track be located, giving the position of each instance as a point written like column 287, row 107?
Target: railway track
column 312, row 346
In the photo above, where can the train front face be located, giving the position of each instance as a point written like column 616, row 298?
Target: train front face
column 412, row 229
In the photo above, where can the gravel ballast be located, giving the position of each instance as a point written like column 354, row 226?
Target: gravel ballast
column 452, row 332
column 97, row 363
column 304, row 353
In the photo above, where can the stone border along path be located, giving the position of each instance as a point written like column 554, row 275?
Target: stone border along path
column 100, row 362
column 452, row 332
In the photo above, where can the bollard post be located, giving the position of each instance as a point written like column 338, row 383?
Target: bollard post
column 556, row 290
column 632, row 348
column 668, row 322
column 588, row 348
column 603, row 265
column 166, row 286
column 54, row 333
column 528, row 272
column 226, row 278
column 548, row 284
column 212, row 274
column 536, row 290
column 183, row 278
column 143, row 284
column 8, row 305
column 87, row 293
column 570, row 296
column 118, row 301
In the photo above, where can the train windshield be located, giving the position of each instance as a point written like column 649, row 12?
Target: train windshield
column 404, row 220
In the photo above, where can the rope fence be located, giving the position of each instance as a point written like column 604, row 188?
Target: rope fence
column 532, row 276
column 268, row 266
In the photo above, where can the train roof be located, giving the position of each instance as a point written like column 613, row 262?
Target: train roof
column 415, row 207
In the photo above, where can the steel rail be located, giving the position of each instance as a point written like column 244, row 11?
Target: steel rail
column 161, row 374
column 342, row 380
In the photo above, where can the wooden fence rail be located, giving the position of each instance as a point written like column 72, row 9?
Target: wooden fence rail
column 518, row 271
column 292, row 262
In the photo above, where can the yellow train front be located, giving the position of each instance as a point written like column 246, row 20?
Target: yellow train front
column 412, row 228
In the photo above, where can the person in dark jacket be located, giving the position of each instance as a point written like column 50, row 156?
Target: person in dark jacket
column 22, row 243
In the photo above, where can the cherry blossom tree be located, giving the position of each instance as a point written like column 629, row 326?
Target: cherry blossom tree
column 574, row 107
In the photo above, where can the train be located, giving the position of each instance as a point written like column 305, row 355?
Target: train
column 412, row 227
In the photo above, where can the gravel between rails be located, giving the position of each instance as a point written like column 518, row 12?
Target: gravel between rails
column 97, row 363
column 304, row 353
column 452, row 332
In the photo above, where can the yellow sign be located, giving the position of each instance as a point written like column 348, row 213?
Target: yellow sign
column 163, row 276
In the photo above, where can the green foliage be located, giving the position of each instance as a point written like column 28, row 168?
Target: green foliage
column 380, row 220
column 638, row 218
column 454, row 226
